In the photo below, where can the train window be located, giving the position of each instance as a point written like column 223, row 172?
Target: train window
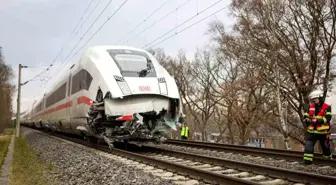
column 131, row 62
column 56, row 96
column 61, row 93
column 75, row 83
column 38, row 108
column 69, row 82
column 81, row 80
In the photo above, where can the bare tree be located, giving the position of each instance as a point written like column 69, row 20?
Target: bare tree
column 200, row 93
column 296, row 36
column 6, row 91
column 291, row 43
column 195, row 81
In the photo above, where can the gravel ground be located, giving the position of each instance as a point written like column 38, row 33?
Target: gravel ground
column 318, row 169
column 78, row 164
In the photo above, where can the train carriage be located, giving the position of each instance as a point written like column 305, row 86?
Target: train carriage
column 111, row 93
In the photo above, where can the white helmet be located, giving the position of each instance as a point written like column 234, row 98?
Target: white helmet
column 316, row 94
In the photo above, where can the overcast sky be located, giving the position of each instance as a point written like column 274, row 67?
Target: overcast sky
column 33, row 32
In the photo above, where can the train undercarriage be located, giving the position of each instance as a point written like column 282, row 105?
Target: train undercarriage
column 149, row 126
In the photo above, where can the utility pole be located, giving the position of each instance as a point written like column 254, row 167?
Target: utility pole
column 18, row 114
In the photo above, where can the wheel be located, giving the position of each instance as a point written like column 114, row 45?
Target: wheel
column 100, row 96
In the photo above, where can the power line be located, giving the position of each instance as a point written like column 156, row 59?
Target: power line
column 60, row 66
column 94, row 8
column 96, row 31
column 189, row 26
column 158, row 21
column 100, row 28
column 184, row 22
column 65, row 43
column 78, row 23
column 87, row 31
column 39, row 74
column 144, row 20
column 88, row 16
column 44, row 66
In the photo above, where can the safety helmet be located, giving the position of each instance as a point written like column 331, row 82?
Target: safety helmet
column 316, row 94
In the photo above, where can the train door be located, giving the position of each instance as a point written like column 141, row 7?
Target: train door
column 69, row 103
column 76, row 97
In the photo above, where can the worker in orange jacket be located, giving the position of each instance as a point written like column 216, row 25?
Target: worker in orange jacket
column 317, row 119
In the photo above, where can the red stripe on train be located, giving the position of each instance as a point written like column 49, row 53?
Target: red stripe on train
column 84, row 99
column 81, row 100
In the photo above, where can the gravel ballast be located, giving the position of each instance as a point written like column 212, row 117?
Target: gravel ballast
column 318, row 169
column 77, row 164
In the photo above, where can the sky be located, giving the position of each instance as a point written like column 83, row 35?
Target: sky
column 33, row 32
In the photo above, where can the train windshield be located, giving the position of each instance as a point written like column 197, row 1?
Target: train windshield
column 133, row 63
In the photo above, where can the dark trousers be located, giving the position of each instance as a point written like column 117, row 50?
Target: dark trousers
column 324, row 140
column 183, row 137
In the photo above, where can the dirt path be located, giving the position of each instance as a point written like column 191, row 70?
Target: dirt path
column 4, row 178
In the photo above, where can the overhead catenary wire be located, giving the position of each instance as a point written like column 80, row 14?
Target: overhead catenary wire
column 199, row 13
column 65, row 43
column 155, row 39
column 61, row 64
column 86, row 32
column 157, row 21
column 38, row 75
column 94, row 8
column 109, row 18
column 150, row 15
column 76, row 26
column 146, row 44
column 93, row 34
column 42, row 66
column 189, row 26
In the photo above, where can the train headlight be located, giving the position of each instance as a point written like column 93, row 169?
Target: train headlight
column 124, row 88
column 163, row 86
column 122, row 85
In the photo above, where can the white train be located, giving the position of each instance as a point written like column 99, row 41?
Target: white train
column 113, row 93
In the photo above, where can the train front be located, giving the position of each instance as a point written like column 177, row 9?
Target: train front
column 144, row 103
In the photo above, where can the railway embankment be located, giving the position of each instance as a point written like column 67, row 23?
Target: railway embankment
column 6, row 147
column 26, row 166
column 20, row 165
column 5, row 139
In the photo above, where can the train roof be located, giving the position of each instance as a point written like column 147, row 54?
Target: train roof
column 107, row 47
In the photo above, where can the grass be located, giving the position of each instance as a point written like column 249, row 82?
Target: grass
column 5, row 138
column 27, row 168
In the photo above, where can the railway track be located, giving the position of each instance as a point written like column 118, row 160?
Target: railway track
column 184, row 170
column 264, row 152
column 246, row 171
column 209, row 169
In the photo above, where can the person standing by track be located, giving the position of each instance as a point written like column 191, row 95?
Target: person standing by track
column 184, row 131
column 317, row 119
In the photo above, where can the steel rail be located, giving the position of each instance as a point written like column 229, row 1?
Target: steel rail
column 198, row 174
column 291, row 175
column 265, row 152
